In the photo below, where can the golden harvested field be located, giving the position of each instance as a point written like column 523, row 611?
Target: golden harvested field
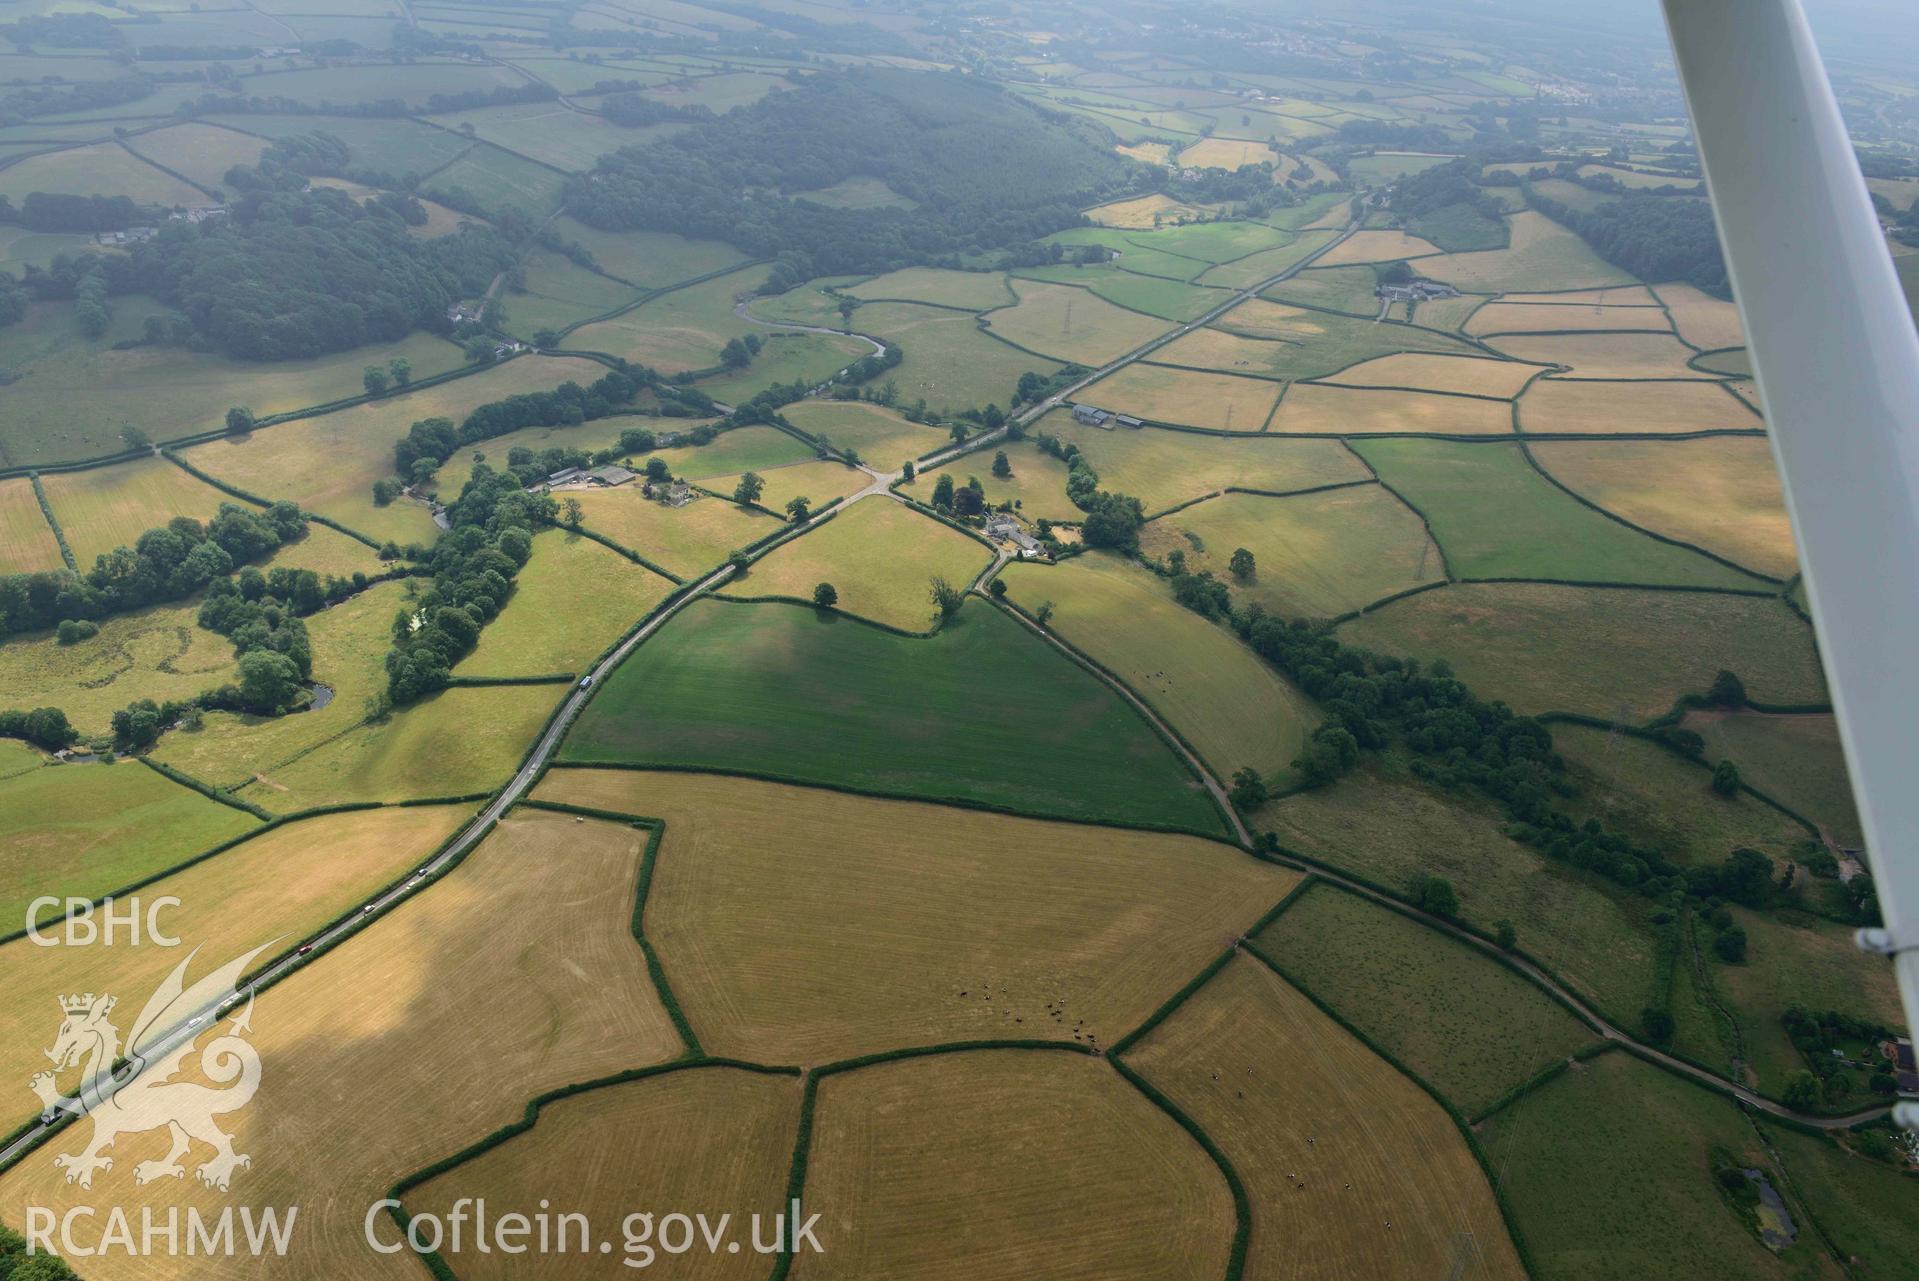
column 89, row 829
column 158, row 652
column 1348, row 411
column 1610, row 296
column 1188, row 397
column 818, row 482
column 881, row 435
column 349, row 642
column 765, row 897
column 26, row 540
column 1376, row 246
column 1143, row 212
column 1535, row 318
column 369, row 1067
column 101, row 169
column 1315, row 555
column 1468, row 375
column 1235, row 710
column 971, row 290
column 570, row 601
column 1541, row 256
column 1601, row 651
column 1706, row 322
column 1037, row 485
column 1226, row 153
column 202, row 152
column 282, row 884
column 1556, row 405
column 688, row 540
column 454, row 743
column 879, row 554
column 108, row 507
column 1605, row 355
column 1352, row 1170
column 1263, row 318
column 1005, row 1163
column 1162, row 468
column 1720, row 493
column 328, row 464
column 1071, row 324
column 717, row 1137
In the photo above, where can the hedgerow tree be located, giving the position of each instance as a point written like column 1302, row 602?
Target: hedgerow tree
column 946, row 598
column 751, row 486
column 1241, row 565
column 1249, row 789
column 1725, row 778
column 825, row 595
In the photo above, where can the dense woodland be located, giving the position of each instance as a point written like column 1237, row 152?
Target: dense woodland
column 1654, row 237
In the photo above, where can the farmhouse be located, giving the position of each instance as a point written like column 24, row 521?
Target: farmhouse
column 1002, row 527
column 1091, row 415
column 460, row 313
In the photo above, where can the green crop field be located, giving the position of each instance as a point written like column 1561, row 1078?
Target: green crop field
column 1794, row 759
column 1598, row 651
column 82, row 830
column 857, row 193
column 19, row 247
column 1497, row 517
column 545, row 131
column 1235, row 710
column 1314, row 555
column 1162, row 468
column 1383, row 167
column 1244, row 273
column 354, row 84
column 742, row 449
column 818, row 482
column 507, row 181
column 733, row 686
column 1157, row 295
column 1861, row 1203
column 948, row 362
column 390, row 146
column 1463, row 1021
column 1346, row 289
column 1589, row 1139
column 570, row 601
column 1390, row 829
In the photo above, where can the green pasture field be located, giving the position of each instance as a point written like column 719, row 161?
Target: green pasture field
column 82, row 830
column 159, row 653
column 1629, row 1146
column 453, row 743
column 1448, row 314
column 1132, row 255
column 1572, row 195
column 18, row 247
column 203, row 153
column 1312, row 211
column 678, row 331
column 981, row 712
column 1466, row 1023
column 328, row 463
column 967, row 290
column 396, row 147
column 1542, row 255
column 349, row 641
column 1794, row 759
column 719, row 94
column 648, row 259
column 1598, row 651
column 601, row 433
column 107, row 507
column 502, row 179
column 881, row 435
column 102, row 169
column 879, row 554
column 742, row 449
column 1384, row 166
column 1382, row 824
column 1162, row 468
column 688, row 540
column 1863, row 1204
column 1496, row 517
column 570, row 601
column 26, row 540
column 1738, row 363
column 559, row 293
column 1288, row 344
column 1190, row 398
column 1345, row 289
column 1214, row 242
column 1037, row 486
column 1235, row 710
column 1653, row 408
column 858, row 192
column 1647, row 791
column 1459, row 229
column 1315, row 555
column 1639, row 181
column 1072, row 324
column 375, row 82
column 74, row 394
column 818, row 482
column 1157, row 295
column 948, row 361
column 807, row 304
column 786, row 358
column 546, row 132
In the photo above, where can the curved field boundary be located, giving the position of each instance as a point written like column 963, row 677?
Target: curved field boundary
column 207, row 790
column 1445, row 563
column 246, row 496
column 174, row 174
column 625, row 551
column 1384, row 601
column 1470, row 340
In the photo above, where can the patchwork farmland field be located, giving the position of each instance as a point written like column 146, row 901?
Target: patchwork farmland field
column 26, row 540
column 1071, row 324
column 1603, row 355
column 571, row 600
column 1311, row 409
column 1158, row 393
column 1664, row 408
column 818, row 482
column 158, row 652
column 1462, row 375
column 880, row 435
column 1541, row 256
column 1037, row 487
column 949, row 362
column 1162, row 468
column 733, row 686
column 107, row 507
column 1794, row 759
column 764, row 889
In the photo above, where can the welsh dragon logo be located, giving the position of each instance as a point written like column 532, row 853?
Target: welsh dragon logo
column 139, row 1095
